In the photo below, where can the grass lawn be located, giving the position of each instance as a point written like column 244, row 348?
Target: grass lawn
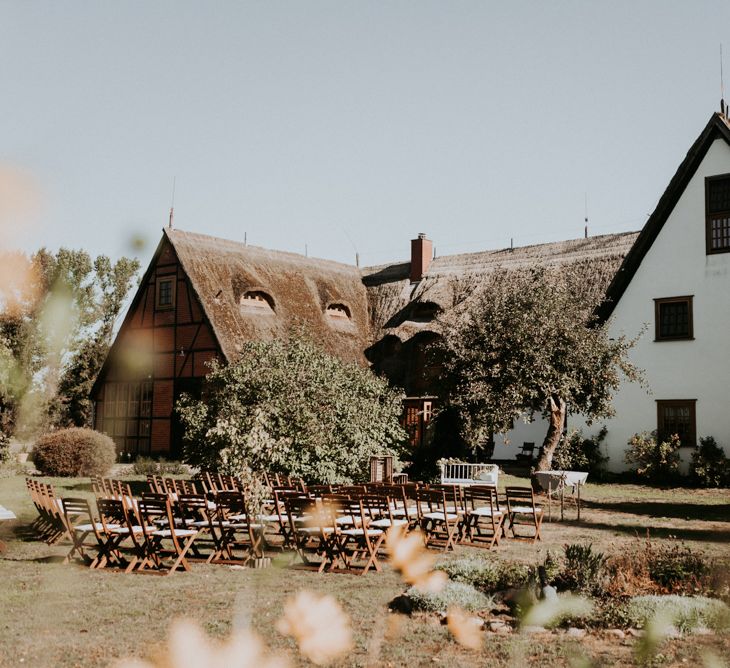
column 52, row 614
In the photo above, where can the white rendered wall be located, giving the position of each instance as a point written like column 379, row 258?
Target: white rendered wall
column 677, row 265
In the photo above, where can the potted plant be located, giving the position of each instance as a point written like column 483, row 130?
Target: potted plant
column 23, row 455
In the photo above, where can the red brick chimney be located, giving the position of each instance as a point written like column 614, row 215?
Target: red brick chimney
column 421, row 256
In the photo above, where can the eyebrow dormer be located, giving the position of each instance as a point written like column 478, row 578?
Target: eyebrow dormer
column 338, row 311
column 257, row 301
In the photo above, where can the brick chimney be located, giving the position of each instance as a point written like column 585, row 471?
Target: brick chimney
column 421, row 256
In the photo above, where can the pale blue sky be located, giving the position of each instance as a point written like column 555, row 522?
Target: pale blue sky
column 341, row 124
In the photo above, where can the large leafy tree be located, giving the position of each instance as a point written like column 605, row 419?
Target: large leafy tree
column 526, row 343
column 290, row 407
column 56, row 322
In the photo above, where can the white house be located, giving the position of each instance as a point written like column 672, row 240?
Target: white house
column 676, row 281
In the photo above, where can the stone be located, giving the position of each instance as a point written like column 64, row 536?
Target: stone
column 635, row 633
column 496, row 624
column 616, row 633
column 573, row 632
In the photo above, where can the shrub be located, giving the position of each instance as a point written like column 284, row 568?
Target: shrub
column 582, row 568
column 685, row 612
column 457, row 594
column 575, row 453
column 676, row 567
column 148, row 466
column 486, row 575
column 655, row 462
column 290, row 407
column 710, row 467
column 74, row 452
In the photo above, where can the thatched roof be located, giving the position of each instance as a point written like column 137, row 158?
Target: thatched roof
column 400, row 308
column 300, row 288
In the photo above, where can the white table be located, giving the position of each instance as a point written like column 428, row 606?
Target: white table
column 6, row 514
column 559, row 480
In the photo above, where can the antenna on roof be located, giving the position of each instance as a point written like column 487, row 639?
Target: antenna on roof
column 723, row 108
column 172, row 203
column 245, row 238
column 306, row 251
column 511, row 243
column 357, row 259
column 585, row 231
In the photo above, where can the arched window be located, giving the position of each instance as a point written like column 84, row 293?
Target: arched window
column 338, row 311
column 257, row 300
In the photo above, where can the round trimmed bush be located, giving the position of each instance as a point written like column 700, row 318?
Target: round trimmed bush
column 74, row 452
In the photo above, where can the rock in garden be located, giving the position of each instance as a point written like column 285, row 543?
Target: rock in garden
column 573, row 632
column 616, row 633
column 549, row 593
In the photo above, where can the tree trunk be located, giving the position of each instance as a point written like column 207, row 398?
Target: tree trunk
column 555, row 431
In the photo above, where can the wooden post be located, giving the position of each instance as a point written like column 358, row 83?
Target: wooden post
column 579, row 486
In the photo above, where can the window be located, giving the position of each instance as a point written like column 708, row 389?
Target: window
column 165, row 297
column 257, row 300
column 717, row 204
column 338, row 311
column 125, row 415
column 677, row 417
column 673, row 319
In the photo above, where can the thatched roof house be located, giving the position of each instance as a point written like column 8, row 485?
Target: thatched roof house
column 202, row 297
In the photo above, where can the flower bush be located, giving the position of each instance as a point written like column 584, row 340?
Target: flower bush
column 653, row 461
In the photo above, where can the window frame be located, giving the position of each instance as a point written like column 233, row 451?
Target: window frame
column 677, row 403
column 172, row 280
column 658, row 302
column 709, row 217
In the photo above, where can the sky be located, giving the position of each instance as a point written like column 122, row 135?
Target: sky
column 342, row 127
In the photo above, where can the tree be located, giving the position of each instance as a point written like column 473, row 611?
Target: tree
column 288, row 406
column 56, row 321
column 526, row 342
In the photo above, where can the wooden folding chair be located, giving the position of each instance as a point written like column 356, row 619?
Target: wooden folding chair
column 484, row 519
column 437, row 523
column 197, row 512
column 313, row 530
column 358, row 542
column 155, row 511
column 81, row 526
column 381, row 512
column 521, row 504
column 236, row 530
column 114, row 532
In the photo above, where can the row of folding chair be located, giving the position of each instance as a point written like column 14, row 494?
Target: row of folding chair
column 50, row 523
column 163, row 534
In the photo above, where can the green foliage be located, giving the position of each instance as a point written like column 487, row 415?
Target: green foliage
column 55, row 329
column 149, row 466
column 486, row 575
column 453, row 594
column 582, row 568
column 710, row 467
column 526, row 342
column 288, row 406
column 676, row 567
column 5, row 454
column 74, row 452
column 652, row 461
column 575, row 453
column 686, row 613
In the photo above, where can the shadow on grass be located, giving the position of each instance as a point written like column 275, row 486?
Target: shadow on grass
column 640, row 531
column 683, row 511
column 51, row 559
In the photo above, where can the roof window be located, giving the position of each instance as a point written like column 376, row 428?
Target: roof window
column 338, row 311
column 257, row 300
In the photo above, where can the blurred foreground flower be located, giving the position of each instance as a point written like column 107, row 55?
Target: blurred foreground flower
column 465, row 628
column 318, row 624
column 190, row 647
column 410, row 558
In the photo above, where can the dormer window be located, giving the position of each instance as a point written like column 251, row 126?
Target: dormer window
column 256, row 300
column 424, row 311
column 339, row 311
column 717, row 205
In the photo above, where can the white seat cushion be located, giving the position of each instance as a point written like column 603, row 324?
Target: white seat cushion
column 166, row 533
column 385, row 522
column 440, row 516
column 314, row 530
column 125, row 530
column 485, row 512
column 268, row 518
column 90, row 527
column 348, row 519
column 526, row 510
column 361, row 532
